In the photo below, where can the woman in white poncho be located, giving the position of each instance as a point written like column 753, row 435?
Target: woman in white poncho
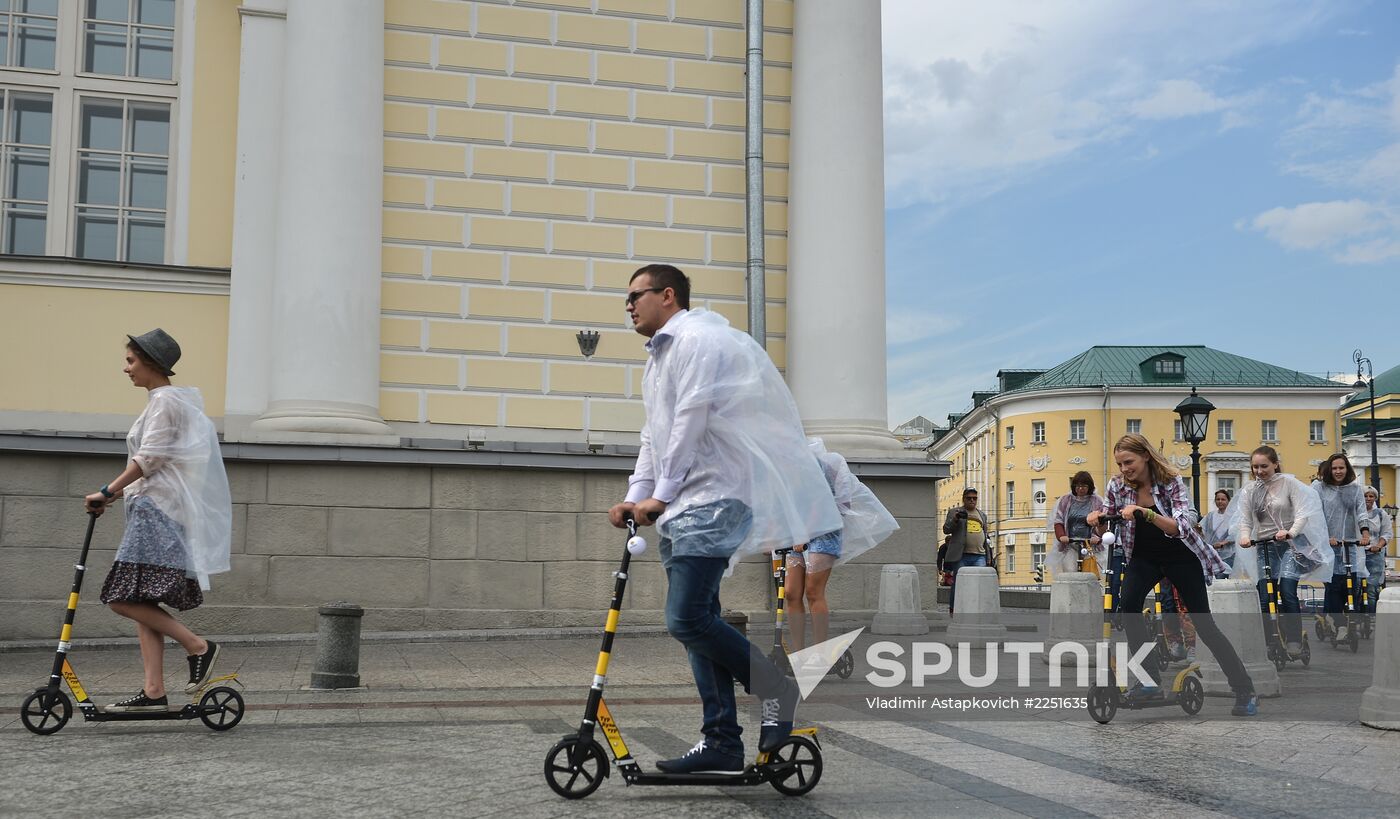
column 178, row 517
column 1348, row 533
column 864, row 524
column 1282, row 514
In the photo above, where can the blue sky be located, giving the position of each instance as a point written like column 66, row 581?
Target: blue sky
column 1079, row 172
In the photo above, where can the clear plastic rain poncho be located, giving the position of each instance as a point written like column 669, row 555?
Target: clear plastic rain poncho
column 1264, row 504
column 177, row 448
column 865, row 522
column 723, row 428
column 1064, row 557
column 1344, row 508
column 1219, row 526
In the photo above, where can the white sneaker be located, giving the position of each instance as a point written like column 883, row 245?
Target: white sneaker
column 1342, row 634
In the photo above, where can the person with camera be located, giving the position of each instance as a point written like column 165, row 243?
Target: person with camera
column 966, row 527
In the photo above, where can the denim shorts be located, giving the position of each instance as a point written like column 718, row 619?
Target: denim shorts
column 827, row 544
column 715, row 529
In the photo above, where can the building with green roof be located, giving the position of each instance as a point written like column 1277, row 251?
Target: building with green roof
column 1020, row 444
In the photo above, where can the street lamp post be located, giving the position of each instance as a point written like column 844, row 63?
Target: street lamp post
column 1195, row 415
column 1370, row 380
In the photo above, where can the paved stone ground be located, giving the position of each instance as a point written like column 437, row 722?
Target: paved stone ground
column 461, row 729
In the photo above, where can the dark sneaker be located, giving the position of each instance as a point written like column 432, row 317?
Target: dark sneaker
column 702, row 759
column 1246, row 705
column 201, row 667
column 775, row 725
column 141, row 702
column 1140, row 693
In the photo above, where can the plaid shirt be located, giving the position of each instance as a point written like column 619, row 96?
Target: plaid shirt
column 1172, row 498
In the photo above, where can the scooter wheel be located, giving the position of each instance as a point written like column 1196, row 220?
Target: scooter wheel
column 1306, row 656
column 1319, row 631
column 796, row 765
column 45, row 713
column 1103, row 703
column 229, row 704
column 1354, row 641
column 1280, row 660
column 846, row 665
column 1192, row 696
column 573, row 771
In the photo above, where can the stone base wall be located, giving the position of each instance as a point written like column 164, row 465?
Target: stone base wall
column 421, row 547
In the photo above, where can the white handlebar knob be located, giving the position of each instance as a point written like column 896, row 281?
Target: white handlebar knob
column 1109, row 539
column 1083, row 551
column 636, row 544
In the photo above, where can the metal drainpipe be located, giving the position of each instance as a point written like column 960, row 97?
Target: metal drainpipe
column 753, row 173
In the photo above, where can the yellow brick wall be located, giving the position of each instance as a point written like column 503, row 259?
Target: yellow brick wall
column 536, row 154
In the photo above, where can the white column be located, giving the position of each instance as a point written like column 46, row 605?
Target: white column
column 836, row 229
column 324, row 355
column 260, row 69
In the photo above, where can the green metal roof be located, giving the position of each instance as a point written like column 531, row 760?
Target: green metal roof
column 1203, row 366
column 1386, row 383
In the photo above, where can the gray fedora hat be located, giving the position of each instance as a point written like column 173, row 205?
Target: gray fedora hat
column 159, row 347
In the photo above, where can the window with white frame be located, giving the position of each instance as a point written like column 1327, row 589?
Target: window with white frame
column 1169, row 366
column 1038, row 497
column 1225, row 431
column 29, row 33
column 89, row 101
column 1228, row 480
column 1037, row 555
column 123, row 160
column 1317, row 432
column 1076, row 430
column 1178, row 431
column 1011, row 499
column 1010, row 437
column 1038, row 432
column 129, row 38
column 1134, row 426
column 27, row 128
column 1010, row 559
column 1268, row 432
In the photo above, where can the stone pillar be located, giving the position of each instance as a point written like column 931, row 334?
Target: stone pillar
column 978, row 617
column 1076, row 613
column 324, row 351
column 1380, row 704
column 900, row 609
column 1235, row 605
column 836, row 228
column 258, row 167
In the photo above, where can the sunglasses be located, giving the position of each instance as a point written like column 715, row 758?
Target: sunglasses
column 637, row 294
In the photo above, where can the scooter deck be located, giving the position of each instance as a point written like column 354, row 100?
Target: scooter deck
column 98, row 713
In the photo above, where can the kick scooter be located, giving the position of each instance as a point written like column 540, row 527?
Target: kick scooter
column 1104, row 701
column 1355, row 606
column 48, row 709
column 1277, row 650
column 576, row 766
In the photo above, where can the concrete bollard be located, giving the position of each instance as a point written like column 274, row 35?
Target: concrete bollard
column 978, row 617
column 1076, row 613
column 901, row 610
column 1380, row 704
column 337, row 646
column 1235, row 606
column 737, row 619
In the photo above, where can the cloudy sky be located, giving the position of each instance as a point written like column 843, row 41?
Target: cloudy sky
column 1076, row 172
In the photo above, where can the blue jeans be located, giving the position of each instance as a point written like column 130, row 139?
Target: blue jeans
column 1375, row 567
column 967, row 560
column 719, row 654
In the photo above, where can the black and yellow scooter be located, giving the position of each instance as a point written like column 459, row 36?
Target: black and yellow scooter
column 577, row 764
column 1355, row 612
column 48, row 709
column 1104, row 701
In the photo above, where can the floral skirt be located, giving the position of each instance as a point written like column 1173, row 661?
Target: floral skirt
column 150, row 564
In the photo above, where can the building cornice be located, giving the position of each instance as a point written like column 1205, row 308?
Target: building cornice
column 59, row 271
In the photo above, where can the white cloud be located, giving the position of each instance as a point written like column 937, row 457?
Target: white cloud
column 903, row 326
column 976, row 101
column 1376, row 250
column 1178, row 98
column 1317, row 224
